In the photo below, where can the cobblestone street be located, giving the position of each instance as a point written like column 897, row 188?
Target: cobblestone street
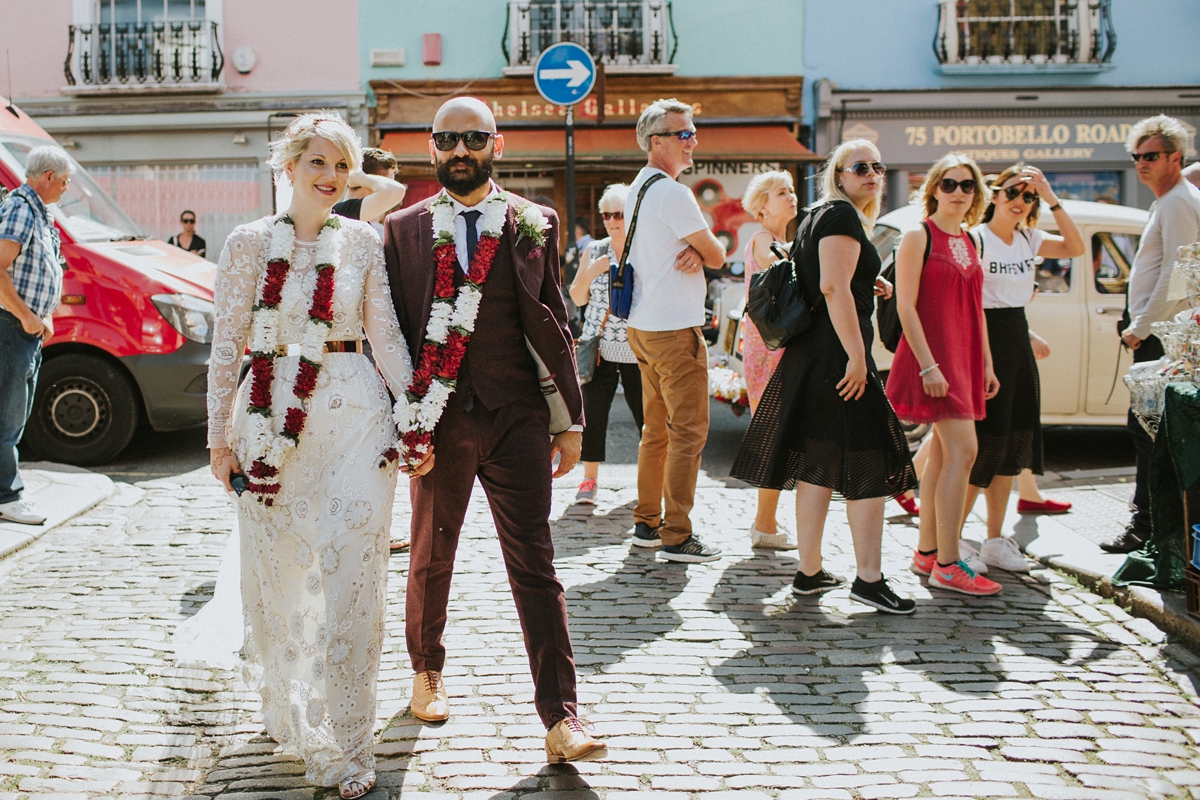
column 707, row 680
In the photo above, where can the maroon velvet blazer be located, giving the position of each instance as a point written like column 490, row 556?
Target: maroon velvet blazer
column 408, row 250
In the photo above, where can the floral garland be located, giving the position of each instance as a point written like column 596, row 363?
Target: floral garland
column 269, row 444
column 451, row 321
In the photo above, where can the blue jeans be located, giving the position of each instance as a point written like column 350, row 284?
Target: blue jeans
column 20, row 359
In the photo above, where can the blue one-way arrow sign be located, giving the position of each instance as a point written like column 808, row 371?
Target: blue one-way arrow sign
column 564, row 73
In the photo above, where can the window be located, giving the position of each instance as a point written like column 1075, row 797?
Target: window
column 625, row 34
column 1053, row 275
column 1112, row 259
column 135, row 11
column 1099, row 187
column 1024, row 34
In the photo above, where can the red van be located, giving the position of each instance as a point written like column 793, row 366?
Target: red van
column 133, row 331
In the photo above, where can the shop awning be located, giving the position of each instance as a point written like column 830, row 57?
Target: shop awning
column 610, row 145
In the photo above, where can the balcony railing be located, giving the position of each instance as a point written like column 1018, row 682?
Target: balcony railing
column 627, row 35
column 1017, row 35
column 183, row 53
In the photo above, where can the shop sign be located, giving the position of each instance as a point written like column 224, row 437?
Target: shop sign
column 1080, row 139
column 529, row 109
column 719, row 186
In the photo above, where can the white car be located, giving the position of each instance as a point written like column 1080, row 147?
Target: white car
column 1075, row 310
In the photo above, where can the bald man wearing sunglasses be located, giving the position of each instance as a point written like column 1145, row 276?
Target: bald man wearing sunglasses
column 514, row 404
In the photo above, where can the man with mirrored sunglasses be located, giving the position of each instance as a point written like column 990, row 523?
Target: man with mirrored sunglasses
column 1156, row 146
column 513, row 403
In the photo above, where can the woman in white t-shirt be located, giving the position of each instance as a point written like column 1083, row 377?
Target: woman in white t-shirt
column 1010, row 435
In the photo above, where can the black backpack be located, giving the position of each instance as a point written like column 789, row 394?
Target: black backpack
column 887, row 315
column 778, row 300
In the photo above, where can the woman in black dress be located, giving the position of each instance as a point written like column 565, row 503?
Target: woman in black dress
column 824, row 424
column 188, row 240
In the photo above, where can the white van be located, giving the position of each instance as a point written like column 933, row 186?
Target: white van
column 1075, row 310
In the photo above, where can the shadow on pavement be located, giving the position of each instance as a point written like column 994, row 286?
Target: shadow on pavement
column 835, row 668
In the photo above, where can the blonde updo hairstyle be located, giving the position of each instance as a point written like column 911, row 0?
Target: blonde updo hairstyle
column 292, row 143
column 928, row 190
column 832, row 190
column 759, row 190
column 997, row 184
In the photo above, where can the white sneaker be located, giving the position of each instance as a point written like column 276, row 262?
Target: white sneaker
column 20, row 511
column 770, row 541
column 968, row 553
column 1004, row 554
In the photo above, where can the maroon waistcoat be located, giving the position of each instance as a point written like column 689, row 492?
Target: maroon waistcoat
column 498, row 368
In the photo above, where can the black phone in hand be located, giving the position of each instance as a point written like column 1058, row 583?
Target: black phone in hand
column 239, row 482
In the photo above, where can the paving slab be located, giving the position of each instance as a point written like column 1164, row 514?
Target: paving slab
column 59, row 491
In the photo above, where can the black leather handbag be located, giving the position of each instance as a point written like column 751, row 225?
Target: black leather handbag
column 777, row 300
column 587, row 353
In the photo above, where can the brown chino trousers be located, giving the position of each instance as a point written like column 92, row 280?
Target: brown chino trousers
column 509, row 450
column 674, row 366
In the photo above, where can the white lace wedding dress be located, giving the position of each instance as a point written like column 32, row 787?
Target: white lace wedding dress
column 314, row 564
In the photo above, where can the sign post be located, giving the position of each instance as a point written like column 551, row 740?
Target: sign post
column 563, row 75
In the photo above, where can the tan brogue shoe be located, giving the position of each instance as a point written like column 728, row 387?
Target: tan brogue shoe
column 429, row 701
column 569, row 741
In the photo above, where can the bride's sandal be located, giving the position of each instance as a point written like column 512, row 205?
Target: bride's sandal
column 357, row 786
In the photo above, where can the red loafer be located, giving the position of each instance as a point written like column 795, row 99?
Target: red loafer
column 909, row 504
column 1045, row 507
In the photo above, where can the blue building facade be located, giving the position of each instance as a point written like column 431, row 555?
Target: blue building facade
column 1056, row 83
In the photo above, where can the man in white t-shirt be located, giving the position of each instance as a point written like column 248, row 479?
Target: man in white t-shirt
column 669, row 247
column 1157, row 145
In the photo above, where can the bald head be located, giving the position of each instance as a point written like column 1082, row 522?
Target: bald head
column 464, row 114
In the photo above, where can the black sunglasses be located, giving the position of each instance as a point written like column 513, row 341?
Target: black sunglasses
column 607, row 215
column 448, row 140
column 1149, row 156
column 187, row 221
column 1015, row 191
column 864, row 168
column 948, row 185
column 683, row 135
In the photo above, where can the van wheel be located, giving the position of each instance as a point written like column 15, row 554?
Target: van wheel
column 85, row 411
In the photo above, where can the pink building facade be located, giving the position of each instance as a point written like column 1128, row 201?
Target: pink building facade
column 170, row 104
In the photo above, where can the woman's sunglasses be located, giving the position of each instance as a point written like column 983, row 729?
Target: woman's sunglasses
column 188, row 221
column 948, row 185
column 610, row 215
column 864, row 168
column 1015, row 191
column 448, row 140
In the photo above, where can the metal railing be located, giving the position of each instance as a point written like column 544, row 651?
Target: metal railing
column 620, row 32
column 1024, row 32
column 170, row 53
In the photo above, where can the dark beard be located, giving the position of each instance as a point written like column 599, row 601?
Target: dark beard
column 481, row 171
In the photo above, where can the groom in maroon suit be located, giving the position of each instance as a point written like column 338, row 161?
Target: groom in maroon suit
column 516, row 404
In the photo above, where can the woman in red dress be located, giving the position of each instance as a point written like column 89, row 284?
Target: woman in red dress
column 942, row 372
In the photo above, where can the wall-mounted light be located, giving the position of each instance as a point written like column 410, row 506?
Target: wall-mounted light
column 70, row 144
column 244, row 59
column 431, row 49
column 387, row 58
column 239, row 138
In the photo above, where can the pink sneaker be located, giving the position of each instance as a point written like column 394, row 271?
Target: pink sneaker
column 958, row 577
column 587, row 492
column 922, row 564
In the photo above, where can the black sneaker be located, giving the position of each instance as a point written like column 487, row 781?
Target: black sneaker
column 690, row 550
column 879, row 595
column 823, row 581
column 1130, row 539
column 645, row 536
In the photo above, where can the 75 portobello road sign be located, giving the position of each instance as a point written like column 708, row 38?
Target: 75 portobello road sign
column 1065, row 139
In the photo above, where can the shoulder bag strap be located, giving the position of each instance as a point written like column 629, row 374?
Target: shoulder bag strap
column 619, row 278
column 928, row 242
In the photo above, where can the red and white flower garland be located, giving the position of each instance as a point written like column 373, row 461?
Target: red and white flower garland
column 269, row 442
column 451, row 322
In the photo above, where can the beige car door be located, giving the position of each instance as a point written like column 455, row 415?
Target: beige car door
column 1056, row 314
column 1111, row 253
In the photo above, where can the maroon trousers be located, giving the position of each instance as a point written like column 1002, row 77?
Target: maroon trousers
column 509, row 450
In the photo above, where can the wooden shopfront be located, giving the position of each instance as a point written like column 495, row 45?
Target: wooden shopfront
column 745, row 126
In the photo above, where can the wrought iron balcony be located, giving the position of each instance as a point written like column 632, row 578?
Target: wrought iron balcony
column 627, row 35
column 172, row 54
column 1024, row 35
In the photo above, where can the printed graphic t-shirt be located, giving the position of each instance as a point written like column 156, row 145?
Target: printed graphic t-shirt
column 1009, row 270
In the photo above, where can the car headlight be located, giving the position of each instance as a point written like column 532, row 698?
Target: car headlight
column 191, row 316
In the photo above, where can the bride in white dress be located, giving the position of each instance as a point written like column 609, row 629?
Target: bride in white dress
column 311, row 430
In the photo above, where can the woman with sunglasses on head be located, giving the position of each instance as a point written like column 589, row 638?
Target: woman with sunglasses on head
column 771, row 200
column 942, row 373
column 823, row 424
column 1010, row 434
column 188, row 240
column 589, row 291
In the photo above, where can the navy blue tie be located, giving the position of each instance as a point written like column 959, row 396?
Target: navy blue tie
column 472, row 234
